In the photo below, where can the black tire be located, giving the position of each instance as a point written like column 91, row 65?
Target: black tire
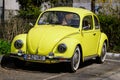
column 19, row 63
column 7, row 61
column 101, row 59
column 75, row 60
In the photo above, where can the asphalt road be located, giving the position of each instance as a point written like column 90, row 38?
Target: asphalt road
column 90, row 70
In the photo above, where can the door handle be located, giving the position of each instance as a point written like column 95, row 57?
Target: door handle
column 94, row 34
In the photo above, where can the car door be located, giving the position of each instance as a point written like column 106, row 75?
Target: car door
column 89, row 36
column 96, row 32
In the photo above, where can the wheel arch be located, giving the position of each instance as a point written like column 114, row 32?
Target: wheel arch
column 80, row 47
column 71, row 44
column 106, row 41
column 103, row 39
column 19, row 37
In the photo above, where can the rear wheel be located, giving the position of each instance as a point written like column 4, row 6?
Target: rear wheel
column 102, row 57
column 75, row 60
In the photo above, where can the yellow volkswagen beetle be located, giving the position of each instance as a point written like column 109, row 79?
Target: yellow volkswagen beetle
column 62, row 34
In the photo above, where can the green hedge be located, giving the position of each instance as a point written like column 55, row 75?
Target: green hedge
column 110, row 24
column 4, row 47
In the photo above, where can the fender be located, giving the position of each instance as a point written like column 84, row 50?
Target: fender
column 71, row 44
column 103, row 39
column 19, row 37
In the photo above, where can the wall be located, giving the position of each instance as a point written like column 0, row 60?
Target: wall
column 107, row 5
column 82, row 3
column 11, row 5
column 11, row 8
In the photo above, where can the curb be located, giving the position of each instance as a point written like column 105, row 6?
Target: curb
column 113, row 54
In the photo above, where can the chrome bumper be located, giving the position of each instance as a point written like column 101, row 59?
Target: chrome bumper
column 47, row 59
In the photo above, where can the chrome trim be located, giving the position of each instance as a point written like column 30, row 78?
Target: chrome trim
column 90, row 57
column 48, row 59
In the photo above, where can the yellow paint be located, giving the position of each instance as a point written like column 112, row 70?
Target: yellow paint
column 43, row 39
column 19, row 37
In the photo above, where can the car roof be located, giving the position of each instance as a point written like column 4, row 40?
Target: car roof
column 80, row 11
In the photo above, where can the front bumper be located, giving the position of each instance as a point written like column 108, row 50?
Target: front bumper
column 39, row 59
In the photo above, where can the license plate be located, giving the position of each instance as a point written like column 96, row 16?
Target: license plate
column 34, row 57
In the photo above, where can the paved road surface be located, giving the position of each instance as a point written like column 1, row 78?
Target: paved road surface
column 90, row 70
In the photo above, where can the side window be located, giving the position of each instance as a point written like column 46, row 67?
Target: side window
column 97, row 24
column 87, row 23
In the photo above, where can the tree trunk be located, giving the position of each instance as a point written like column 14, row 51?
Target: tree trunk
column 93, row 5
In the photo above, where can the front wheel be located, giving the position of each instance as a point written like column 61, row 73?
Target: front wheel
column 19, row 63
column 7, row 61
column 102, row 57
column 75, row 60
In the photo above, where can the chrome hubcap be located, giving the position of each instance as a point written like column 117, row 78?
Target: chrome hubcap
column 76, row 59
column 103, row 56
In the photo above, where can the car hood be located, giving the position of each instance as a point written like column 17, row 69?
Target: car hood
column 42, row 39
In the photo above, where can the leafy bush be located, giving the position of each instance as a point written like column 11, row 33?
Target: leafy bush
column 31, row 13
column 29, row 9
column 110, row 24
column 4, row 47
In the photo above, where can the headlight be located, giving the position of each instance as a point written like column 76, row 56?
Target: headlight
column 18, row 44
column 62, row 48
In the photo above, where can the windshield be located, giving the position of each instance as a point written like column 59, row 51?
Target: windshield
column 60, row 18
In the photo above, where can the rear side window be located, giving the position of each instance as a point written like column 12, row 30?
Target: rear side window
column 87, row 23
column 97, row 24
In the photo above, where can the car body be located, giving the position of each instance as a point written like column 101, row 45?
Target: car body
column 52, row 40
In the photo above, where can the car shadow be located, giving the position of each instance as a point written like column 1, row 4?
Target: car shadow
column 38, row 67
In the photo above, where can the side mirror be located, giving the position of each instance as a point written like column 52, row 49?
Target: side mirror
column 86, row 28
column 31, row 24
